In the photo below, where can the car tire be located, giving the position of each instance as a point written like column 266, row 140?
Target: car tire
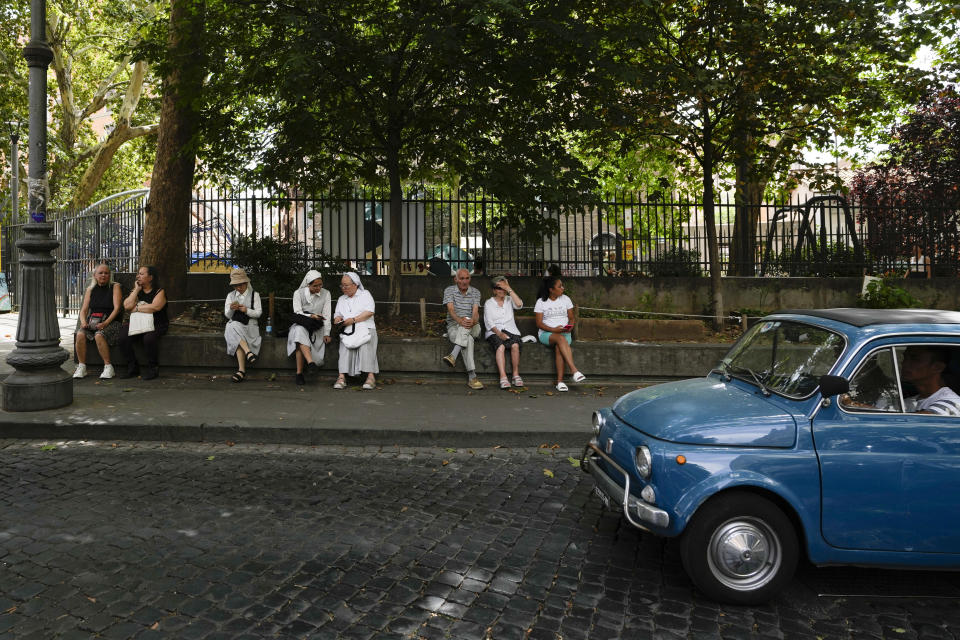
column 740, row 549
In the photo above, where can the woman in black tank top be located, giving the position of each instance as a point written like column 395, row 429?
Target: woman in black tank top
column 146, row 297
column 99, row 321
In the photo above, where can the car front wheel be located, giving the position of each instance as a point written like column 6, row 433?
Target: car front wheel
column 739, row 548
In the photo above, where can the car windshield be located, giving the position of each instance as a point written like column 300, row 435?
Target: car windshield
column 785, row 357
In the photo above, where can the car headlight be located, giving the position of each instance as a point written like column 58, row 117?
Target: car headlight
column 644, row 462
column 597, row 421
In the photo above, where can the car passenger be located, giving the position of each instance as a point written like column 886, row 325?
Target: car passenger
column 923, row 367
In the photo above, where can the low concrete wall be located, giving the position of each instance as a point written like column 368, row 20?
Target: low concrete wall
column 607, row 359
column 662, row 295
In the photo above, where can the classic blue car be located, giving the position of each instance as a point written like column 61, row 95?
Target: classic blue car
column 833, row 432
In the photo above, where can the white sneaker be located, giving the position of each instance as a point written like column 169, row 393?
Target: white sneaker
column 108, row 372
column 81, row 371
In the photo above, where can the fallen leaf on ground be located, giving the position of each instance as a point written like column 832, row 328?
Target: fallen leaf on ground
column 48, row 447
column 548, row 473
column 573, row 461
column 451, row 450
column 210, row 457
column 446, row 462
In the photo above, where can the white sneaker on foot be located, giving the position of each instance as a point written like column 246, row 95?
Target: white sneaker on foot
column 81, row 371
column 562, row 387
column 579, row 377
column 108, row 372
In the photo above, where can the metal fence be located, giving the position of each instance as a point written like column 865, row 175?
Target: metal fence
column 626, row 234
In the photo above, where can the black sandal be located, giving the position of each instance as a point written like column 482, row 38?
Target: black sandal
column 239, row 376
column 251, row 357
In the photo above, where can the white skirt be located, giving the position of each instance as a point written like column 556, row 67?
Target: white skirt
column 234, row 332
column 298, row 335
column 363, row 359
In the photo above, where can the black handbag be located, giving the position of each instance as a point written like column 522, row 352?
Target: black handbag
column 241, row 316
column 308, row 323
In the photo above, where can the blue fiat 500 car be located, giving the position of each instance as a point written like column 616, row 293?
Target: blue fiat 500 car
column 832, row 432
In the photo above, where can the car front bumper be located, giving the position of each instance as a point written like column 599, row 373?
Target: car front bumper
column 638, row 513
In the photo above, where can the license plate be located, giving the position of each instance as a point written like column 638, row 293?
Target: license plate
column 604, row 498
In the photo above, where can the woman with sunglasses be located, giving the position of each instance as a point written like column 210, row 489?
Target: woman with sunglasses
column 502, row 332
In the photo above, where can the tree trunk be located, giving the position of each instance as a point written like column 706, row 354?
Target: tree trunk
column 710, row 222
column 748, row 196
column 396, row 232
column 168, row 212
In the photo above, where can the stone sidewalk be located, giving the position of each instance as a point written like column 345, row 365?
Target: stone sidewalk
column 409, row 411
column 269, row 408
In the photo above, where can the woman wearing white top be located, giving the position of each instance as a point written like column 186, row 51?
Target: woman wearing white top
column 242, row 333
column 554, row 314
column 354, row 312
column 502, row 329
column 310, row 299
column 919, row 265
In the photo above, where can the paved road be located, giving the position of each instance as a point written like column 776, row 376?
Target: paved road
column 145, row 540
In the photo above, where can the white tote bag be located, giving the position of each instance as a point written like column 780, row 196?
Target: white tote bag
column 360, row 336
column 140, row 323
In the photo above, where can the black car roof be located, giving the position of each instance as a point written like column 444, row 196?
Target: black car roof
column 863, row 317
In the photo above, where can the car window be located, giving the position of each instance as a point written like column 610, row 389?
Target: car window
column 785, row 357
column 874, row 386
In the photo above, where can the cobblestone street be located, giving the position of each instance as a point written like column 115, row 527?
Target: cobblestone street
column 145, row 540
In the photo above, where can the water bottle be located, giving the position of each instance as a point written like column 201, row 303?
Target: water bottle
column 269, row 328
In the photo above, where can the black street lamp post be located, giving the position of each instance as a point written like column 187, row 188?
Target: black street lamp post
column 39, row 381
column 14, row 171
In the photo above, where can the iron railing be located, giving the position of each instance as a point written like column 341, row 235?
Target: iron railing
column 626, row 234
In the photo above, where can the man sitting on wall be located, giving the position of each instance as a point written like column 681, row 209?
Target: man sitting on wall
column 463, row 323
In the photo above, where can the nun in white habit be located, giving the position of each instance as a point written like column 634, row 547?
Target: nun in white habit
column 310, row 299
column 242, row 338
column 354, row 312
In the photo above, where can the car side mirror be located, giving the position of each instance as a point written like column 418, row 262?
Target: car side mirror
column 833, row 385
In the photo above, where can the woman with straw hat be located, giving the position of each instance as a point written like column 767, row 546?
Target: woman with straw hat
column 242, row 333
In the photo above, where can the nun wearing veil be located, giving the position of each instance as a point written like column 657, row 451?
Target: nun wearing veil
column 358, row 333
column 311, row 302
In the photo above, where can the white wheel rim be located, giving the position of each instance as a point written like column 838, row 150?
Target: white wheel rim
column 744, row 554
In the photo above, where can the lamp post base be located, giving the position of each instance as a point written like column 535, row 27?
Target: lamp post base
column 37, row 390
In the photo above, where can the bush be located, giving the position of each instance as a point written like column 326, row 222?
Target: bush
column 676, row 262
column 278, row 267
column 883, row 294
column 839, row 260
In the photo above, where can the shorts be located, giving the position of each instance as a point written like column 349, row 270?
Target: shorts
column 495, row 340
column 111, row 333
column 544, row 337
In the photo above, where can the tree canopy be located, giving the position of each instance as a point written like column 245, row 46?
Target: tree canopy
column 912, row 197
column 325, row 94
column 95, row 78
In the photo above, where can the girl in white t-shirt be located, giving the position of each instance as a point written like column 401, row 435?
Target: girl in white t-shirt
column 554, row 314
